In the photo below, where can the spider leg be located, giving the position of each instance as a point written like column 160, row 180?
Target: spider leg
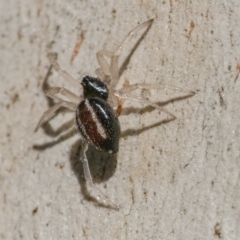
column 104, row 66
column 46, row 115
column 101, row 75
column 130, row 88
column 112, row 69
column 66, row 76
column 145, row 101
column 136, row 86
column 63, row 91
column 116, row 54
column 88, row 176
column 120, row 106
column 105, row 74
column 130, row 36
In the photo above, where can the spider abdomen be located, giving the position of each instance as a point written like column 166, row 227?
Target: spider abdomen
column 98, row 124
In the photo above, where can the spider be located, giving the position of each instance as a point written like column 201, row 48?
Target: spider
column 96, row 112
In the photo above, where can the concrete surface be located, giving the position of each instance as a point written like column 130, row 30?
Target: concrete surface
column 172, row 180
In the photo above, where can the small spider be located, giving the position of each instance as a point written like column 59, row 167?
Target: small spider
column 96, row 119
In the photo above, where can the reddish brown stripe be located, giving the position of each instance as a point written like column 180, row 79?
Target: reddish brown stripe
column 88, row 125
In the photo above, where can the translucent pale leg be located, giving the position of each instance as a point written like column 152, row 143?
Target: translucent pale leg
column 66, row 76
column 63, row 91
column 88, row 176
column 102, row 61
column 130, row 88
column 113, row 69
column 136, row 86
column 114, row 59
column 145, row 101
column 130, row 36
column 53, row 109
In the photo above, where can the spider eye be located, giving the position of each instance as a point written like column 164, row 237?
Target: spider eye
column 94, row 87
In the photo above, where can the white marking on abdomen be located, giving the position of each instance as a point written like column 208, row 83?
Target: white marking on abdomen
column 100, row 128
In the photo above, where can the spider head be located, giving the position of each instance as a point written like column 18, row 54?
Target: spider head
column 94, row 87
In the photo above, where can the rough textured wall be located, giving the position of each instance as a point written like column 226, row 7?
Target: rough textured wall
column 173, row 180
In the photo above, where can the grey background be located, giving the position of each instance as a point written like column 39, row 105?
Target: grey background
column 173, row 180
